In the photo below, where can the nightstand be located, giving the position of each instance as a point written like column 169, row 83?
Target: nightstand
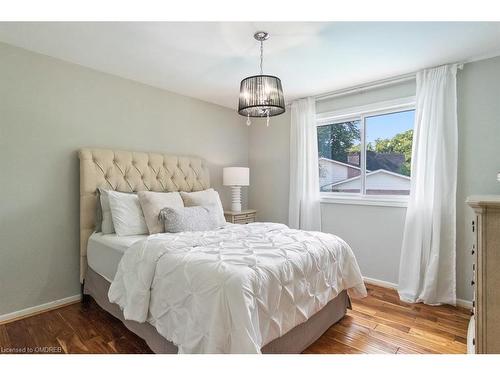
column 241, row 217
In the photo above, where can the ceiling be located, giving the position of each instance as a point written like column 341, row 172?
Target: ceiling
column 207, row 60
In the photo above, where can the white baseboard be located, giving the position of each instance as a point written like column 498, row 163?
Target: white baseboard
column 377, row 282
column 464, row 303
column 386, row 284
column 24, row 313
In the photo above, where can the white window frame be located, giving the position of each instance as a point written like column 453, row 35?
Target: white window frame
column 359, row 114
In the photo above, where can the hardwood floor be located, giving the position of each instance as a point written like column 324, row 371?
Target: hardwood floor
column 379, row 323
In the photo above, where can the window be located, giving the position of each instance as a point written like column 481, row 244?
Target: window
column 366, row 152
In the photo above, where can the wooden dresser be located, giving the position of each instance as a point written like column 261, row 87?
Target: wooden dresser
column 240, row 217
column 484, row 330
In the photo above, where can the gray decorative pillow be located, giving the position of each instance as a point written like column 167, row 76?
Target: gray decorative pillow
column 106, row 221
column 196, row 218
column 98, row 212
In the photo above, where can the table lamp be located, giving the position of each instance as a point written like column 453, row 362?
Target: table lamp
column 236, row 177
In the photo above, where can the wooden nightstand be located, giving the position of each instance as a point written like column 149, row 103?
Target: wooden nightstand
column 242, row 217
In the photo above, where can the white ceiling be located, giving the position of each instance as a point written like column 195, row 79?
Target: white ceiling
column 207, row 60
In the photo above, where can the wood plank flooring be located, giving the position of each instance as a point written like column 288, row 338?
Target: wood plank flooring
column 379, row 323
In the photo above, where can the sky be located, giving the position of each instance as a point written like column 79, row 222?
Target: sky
column 387, row 126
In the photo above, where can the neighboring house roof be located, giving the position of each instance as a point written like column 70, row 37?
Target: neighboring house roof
column 390, row 161
column 376, row 161
column 340, row 163
column 402, row 176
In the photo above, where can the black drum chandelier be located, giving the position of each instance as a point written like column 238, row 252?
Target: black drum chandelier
column 261, row 95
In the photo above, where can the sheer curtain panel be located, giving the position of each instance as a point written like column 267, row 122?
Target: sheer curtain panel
column 427, row 270
column 304, row 204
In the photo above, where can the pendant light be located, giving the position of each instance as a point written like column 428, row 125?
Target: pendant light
column 261, row 95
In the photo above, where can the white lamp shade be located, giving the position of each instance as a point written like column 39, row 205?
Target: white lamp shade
column 236, row 176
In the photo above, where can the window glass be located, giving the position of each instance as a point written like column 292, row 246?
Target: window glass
column 388, row 153
column 339, row 157
column 386, row 148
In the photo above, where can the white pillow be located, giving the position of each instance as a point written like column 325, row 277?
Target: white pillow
column 152, row 203
column 207, row 197
column 127, row 215
column 107, row 226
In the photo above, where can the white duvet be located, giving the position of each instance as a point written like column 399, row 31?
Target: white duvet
column 235, row 289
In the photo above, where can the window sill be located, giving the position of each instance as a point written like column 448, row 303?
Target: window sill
column 384, row 201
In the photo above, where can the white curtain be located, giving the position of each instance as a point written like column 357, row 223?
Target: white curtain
column 304, row 206
column 427, row 270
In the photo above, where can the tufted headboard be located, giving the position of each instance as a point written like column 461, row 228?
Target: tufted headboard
column 130, row 171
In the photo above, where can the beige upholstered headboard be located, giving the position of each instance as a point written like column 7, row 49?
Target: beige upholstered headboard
column 130, row 171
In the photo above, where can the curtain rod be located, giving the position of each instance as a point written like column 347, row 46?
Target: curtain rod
column 380, row 83
column 367, row 86
column 391, row 80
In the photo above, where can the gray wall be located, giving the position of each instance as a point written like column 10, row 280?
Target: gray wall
column 478, row 152
column 48, row 110
column 269, row 161
column 375, row 233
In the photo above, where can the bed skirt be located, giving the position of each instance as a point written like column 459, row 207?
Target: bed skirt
column 293, row 342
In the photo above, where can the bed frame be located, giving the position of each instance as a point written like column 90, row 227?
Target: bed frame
column 129, row 171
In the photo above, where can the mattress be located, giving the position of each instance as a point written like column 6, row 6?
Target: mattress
column 104, row 252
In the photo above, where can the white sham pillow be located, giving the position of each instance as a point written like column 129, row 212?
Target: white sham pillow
column 107, row 226
column 207, row 197
column 126, row 213
column 152, row 203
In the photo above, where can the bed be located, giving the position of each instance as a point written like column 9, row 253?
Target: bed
column 109, row 262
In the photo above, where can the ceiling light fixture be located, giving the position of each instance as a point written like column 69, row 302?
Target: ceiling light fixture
column 261, row 95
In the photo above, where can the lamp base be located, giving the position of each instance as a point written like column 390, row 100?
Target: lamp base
column 236, row 198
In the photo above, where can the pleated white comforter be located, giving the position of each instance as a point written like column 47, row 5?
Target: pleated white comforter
column 235, row 289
